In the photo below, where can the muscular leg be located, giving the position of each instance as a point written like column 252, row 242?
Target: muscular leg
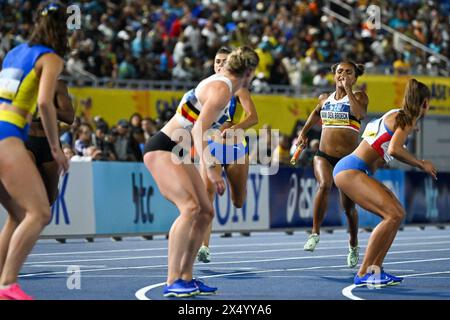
column 352, row 218
column 211, row 193
column 12, row 221
column 24, row 184
column 373, row 196
column 324, row 175
column 237, row 175
column 182, row 185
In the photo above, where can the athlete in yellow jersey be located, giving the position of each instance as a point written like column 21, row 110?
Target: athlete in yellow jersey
column 28, row 78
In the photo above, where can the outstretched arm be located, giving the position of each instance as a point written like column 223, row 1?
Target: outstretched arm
column 313, row 118
column 399, row 152
column 251, row 116
column 65, row 111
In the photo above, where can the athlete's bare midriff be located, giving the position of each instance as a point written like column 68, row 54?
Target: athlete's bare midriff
column 338, row 142
column 368, row 154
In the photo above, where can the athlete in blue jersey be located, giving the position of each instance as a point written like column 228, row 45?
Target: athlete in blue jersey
column 229, row 154
column 28, row 78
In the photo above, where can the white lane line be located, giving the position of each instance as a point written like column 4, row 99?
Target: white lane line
column 141, row 294
column 227, row 262
column 223, row 253
column 424, row 274
column 63, row 266
column 296, row 243
column 347, row 291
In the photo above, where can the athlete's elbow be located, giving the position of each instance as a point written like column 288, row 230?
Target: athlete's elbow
column 393, row 151
column 68, row 117
column 255, row 120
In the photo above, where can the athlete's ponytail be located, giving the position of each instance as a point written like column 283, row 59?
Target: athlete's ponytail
column 241, row 60
column 50, row 27
column 415, row 94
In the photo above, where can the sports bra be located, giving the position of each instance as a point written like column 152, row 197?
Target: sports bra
column 337, row 114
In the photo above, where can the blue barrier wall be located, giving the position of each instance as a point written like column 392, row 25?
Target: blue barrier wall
column 427, row 200
column 293, row 191
column 127, row 200
column 105, row 198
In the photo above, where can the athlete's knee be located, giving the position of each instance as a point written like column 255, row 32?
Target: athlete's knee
column 396, row 213
column 325, row 185
column 191, row 208
column 42, row 215
column 206, row 213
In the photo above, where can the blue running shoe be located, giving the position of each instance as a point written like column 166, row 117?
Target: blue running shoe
column 395, row 280
column 181, row 289
column 204, row 289
column 376, row 280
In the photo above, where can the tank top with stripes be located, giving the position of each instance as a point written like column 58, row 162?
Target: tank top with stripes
column 190, row 107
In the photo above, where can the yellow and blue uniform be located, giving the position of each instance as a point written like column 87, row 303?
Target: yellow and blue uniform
column 19, row 86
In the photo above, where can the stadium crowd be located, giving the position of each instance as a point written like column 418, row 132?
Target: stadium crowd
column 295, row 39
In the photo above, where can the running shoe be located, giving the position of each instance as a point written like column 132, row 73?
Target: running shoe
column 181, row 289
column 14, row 292
column 395, row 280
column 312, row 242
column 204, row 289
column 203, row 254
column 374, row 280
column 353, row 256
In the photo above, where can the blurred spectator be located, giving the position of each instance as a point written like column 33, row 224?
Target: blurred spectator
column 320, row 79
column 127, row 69
column 149, row 127
column 68, row 151
column 401, row 66
column 135, row 120
column 122, row 142
column 106, row 148
column 137, row 142
column 281, row 153
column 265, row 60
column 84, row 139
column 150, row 38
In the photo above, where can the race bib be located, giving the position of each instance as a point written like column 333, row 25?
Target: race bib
column 10, row 82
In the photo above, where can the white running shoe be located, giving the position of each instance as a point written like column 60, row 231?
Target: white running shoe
column 312, row 242
column 203, row 254
column 353, row 256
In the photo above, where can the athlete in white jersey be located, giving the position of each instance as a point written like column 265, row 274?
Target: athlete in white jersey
column 341, row 113
column 384, row 140
column 181, row 183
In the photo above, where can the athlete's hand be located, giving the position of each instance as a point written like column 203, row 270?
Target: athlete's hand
column 217, row 180
column 302, row 140
column 227, row 133
column 61, row 160
column 429, row 168
column 347, row 85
